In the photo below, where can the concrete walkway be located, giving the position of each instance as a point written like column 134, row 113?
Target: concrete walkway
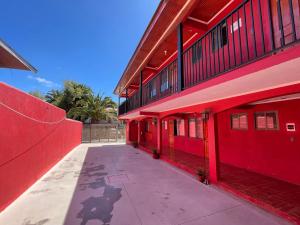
column 118, row 185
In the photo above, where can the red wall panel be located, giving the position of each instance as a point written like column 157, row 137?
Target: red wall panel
column 34, row 135
column 183, row 143
column 273, row 153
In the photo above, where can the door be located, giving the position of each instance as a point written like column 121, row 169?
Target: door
column 171, row 138
column 206, row 150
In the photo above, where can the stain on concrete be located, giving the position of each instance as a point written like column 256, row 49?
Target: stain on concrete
column 100, row 208
column 40, row 222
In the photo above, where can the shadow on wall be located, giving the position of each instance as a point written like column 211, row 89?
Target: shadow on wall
column 94, row 197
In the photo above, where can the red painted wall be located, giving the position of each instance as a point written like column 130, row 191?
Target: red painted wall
column 183, row 143
column 28, row 146
column 133, row 131
column 273, row 153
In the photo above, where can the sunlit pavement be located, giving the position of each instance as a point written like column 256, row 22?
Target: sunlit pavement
column 119, row 185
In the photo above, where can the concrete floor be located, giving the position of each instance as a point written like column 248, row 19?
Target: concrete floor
column 118, row 185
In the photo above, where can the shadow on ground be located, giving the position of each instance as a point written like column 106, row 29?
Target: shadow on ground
column 93, row 198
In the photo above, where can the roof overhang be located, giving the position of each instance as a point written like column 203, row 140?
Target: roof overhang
column 10, row 59
column 165, row 20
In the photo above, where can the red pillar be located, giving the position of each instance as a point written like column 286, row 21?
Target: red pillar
column 139, row 132
column 159, row 135
column 127, row 132
column 212, row 148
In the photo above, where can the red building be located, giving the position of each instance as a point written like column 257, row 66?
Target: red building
column 214, row 87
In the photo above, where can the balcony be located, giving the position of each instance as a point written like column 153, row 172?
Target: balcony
column 254, row 30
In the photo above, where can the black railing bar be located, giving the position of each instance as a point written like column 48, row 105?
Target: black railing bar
column 220, row 44
column 253, row 28
column 233, row 41
column 271, row 25
column 282, row 41
column 293, row 19
column 246, row 32
column 228, row 45
column 239, row 32
column 261, row 27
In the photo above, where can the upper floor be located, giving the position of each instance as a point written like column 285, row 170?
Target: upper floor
column 202, row 40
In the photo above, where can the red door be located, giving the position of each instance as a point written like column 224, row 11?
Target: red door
column 171, row 138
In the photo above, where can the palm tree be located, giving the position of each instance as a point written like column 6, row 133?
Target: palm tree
column 94, row 109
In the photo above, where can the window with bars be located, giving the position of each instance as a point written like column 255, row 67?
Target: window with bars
column 239, row 121
column 152, row 90
column 219, row 37
column 164, row 81
column 266, row 121
column 179, row 127
column 196, row 128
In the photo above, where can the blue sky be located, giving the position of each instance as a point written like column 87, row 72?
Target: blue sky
column 89, row 41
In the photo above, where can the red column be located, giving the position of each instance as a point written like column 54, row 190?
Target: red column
column 127, row 132
column 139, row 132
column 212, row 148
column 159, row 135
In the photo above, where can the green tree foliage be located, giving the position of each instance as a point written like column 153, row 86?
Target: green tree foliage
column 37, row 94
column 80, row 103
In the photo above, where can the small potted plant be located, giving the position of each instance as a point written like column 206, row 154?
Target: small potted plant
column 135, row 144
column 201, row 175
column 155, row 154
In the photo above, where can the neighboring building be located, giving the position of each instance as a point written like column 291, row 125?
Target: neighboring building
column 214, row 85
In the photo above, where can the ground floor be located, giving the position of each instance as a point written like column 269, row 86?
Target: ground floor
column 249, row 146
column 119, row 185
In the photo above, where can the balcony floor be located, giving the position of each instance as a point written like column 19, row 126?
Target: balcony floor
column 118, row 185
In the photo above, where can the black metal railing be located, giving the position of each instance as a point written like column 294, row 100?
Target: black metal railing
column 162, row 85
column 255, row 29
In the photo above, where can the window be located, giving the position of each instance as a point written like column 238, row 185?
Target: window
column 196, row 52
column 239, row 121
column 266, row 121
column 179, row 127
column 164, row 81
column 192, row 127
column 195, row 128
column 147, row 126
column 152, row 90
column 199, row 128
column 224, row 35
column 219, row 37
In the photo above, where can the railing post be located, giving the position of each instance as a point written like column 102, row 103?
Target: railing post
column 180, row 58
column 126, row 100
column 141, row 88
column 118, row 106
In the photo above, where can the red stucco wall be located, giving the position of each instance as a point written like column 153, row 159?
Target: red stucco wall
column 29, row 147
column 274, row 153
column 183, row 143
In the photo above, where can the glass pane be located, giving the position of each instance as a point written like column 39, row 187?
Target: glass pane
column 192, row 128
column 235, row 124
column 199, row 127
column 181, row 127
column 243, row 122
column 271, row 120
column 260, row 121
